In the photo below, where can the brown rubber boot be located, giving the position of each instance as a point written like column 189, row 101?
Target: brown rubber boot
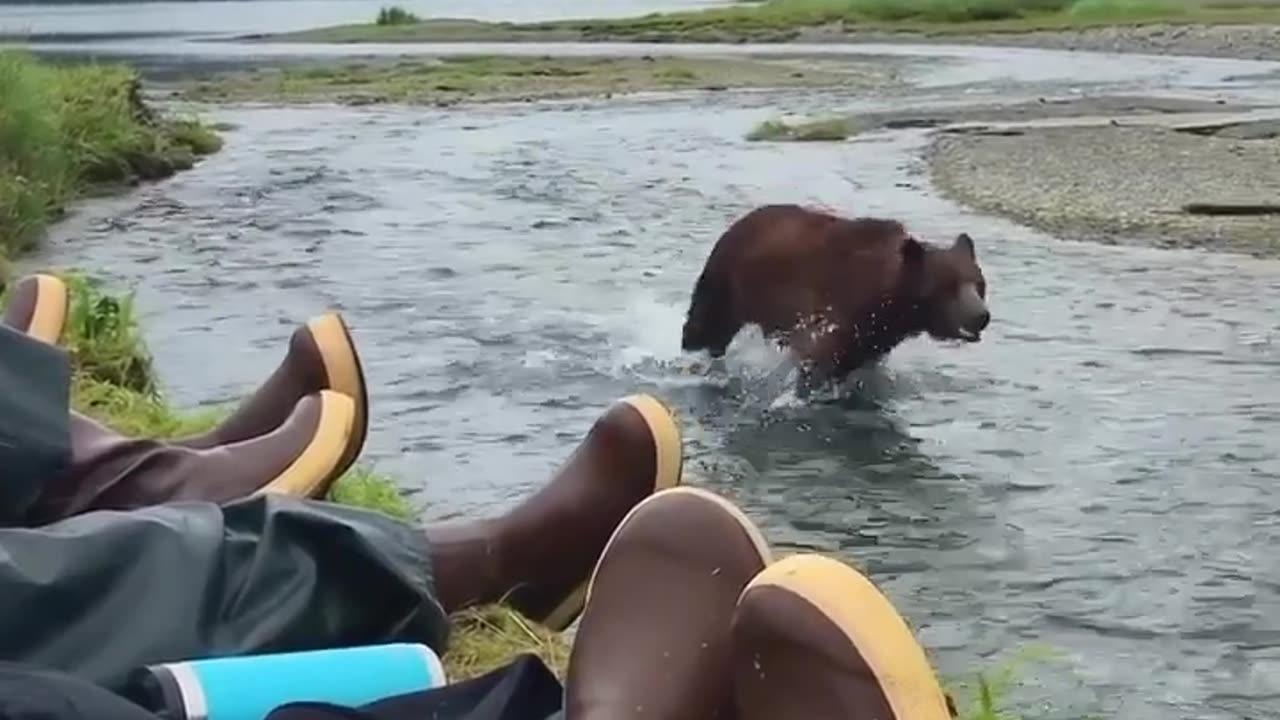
column 539, row 556
column 654, row 639
column 321, row 356
column 110, row 471
column 38, row 306
column 814, row 639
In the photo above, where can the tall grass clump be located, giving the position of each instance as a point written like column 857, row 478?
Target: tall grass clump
column 36, row 173
column 104, row 339
column 67, row 129
column 396, row 15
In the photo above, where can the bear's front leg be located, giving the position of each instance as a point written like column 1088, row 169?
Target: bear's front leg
column 817, row 348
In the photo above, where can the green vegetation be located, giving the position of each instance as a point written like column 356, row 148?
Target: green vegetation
column 785, row 20
column 478, row 78
column 67, row 130
column 824, row 130
column 395, row 15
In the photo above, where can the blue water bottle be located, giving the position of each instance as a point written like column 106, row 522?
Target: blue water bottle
column 250, row 687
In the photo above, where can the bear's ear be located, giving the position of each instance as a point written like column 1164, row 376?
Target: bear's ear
column 912, row 253
column 964, row 244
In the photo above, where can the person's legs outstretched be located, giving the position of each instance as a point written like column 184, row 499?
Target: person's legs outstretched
column 109, row 471
column 296, row 435
column 321, row 356
column 38, row 305
column 539, row 556
column 814, row 639
column 653, row 641
column 118, row 590
column 654, row 638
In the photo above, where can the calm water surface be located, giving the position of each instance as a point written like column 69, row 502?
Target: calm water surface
column 1098, row 476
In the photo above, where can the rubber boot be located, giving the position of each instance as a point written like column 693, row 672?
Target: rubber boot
column 321, row 356
column 110, row 471
column 538, row 557
column 654, row 641
column 38, row 306
column 814, row 639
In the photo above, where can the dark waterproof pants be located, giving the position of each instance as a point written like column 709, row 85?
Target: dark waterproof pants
column 523, row 690
column 102, row 594
column 35, row 435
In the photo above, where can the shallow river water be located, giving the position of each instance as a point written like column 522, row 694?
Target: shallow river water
column 1100, row 477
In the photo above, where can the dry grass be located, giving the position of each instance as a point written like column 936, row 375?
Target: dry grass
column 489, row 637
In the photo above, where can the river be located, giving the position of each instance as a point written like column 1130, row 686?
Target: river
column 1099, row 477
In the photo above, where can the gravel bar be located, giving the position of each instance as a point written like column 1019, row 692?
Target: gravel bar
column 1121, row 185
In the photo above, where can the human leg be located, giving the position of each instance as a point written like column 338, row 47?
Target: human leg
column 268, row 573
column 654, row 639
column 38, row 306
column 35, row 438
column 282, row 439
column 109, row 471
column 632, row 451
column 815, row 639
column 321, row 356
column 652, row 642
column 119, row 590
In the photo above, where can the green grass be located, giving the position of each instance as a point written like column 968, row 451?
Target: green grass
column 822, row 130
column 66, row 130
column 783, row 20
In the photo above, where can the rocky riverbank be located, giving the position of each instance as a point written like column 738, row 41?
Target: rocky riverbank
column 1214, row 186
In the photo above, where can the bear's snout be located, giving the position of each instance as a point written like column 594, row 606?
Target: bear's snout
column 979, row 322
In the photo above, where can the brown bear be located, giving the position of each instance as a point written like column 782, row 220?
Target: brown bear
column 837, row 292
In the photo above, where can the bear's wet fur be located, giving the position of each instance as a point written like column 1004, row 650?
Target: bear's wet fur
column 838, row 292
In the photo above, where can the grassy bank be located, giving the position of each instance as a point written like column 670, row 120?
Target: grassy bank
column 786, row 20
column 487, row 78
column 66, row 131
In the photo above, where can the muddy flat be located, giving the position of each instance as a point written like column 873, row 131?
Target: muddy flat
column 449, row 80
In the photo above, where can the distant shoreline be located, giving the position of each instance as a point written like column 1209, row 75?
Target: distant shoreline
column 1242, row 33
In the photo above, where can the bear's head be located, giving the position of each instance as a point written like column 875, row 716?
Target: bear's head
column 949, row 289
